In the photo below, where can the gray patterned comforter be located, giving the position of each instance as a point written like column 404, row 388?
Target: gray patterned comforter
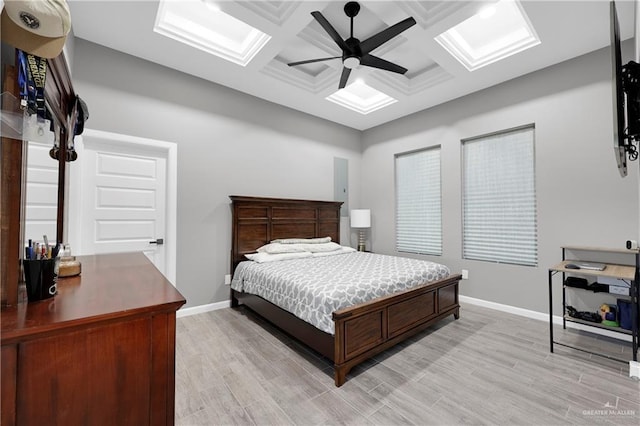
column 313, row 288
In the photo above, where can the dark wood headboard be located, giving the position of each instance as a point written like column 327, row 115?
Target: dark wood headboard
column 256, row 221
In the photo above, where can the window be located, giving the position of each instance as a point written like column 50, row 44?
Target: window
column 418, row 202
column 499, row 198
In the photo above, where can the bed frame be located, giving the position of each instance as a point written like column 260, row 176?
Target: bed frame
column 361, row 331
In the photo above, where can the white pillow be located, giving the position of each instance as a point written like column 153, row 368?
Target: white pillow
column 342, row 250
column 315, row 248
column 268, row 257
column 302, row 240
column 275, row 248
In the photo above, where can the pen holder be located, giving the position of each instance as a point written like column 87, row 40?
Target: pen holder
column 40, row 278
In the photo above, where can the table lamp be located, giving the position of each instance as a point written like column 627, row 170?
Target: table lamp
column 361, row 219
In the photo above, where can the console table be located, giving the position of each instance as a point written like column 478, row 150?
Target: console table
column 100, row 352
column 627, row 273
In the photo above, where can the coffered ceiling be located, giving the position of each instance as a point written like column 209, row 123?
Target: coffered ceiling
column 287, row 32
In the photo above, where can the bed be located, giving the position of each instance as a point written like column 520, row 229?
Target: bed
column 360, row 331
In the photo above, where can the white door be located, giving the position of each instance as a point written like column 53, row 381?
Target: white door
column 122, row 187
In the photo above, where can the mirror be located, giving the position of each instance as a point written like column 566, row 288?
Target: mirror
column 41, row 205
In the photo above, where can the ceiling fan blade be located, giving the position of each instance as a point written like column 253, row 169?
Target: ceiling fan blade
column 308, row 61
column 385, row 35
column 330, row 30
column 344, row 77
column 375, row 62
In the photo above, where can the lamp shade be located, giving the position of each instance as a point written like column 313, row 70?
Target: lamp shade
column 361, row 218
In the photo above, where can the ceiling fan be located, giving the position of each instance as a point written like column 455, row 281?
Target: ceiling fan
column 356, row 52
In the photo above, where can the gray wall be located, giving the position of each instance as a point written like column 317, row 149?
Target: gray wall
column 232, row 143
column 581, row 198
column 229, row 143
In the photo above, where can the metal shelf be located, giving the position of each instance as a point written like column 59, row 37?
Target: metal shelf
column 629, row 274
column 598, row 325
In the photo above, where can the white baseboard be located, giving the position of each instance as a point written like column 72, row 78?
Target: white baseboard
column 541, row 316
column 507, row 308
column 185, row 312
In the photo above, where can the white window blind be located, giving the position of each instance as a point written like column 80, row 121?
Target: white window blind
column 499, row 198
column 418, row 202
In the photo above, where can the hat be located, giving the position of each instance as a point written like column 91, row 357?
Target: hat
column 39, row 27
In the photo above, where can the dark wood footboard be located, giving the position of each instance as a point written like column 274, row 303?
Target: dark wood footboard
column 367, row 329
column 364, row 330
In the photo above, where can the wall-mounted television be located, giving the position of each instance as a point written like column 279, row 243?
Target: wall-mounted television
column 626, row 99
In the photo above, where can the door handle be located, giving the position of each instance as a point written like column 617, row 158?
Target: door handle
column 159, row 241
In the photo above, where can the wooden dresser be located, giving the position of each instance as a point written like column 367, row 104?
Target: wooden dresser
column 101, row 352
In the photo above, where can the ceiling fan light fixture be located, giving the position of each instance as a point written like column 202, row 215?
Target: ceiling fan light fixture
column 356, row 53
column 351, row 62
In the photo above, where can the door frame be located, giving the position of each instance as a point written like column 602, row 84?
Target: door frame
column 74, row 216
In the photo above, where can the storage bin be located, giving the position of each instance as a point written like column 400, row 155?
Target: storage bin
column 624, row 311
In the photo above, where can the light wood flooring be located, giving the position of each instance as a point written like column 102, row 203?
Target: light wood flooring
column 488, row 367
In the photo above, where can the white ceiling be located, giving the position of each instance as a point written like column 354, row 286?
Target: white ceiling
column 566, row 29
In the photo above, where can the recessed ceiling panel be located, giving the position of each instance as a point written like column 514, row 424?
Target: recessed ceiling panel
column 204, row 26
column 362, row 98
column 497, row 31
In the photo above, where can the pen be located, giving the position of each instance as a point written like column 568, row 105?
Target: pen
column 45, row 251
